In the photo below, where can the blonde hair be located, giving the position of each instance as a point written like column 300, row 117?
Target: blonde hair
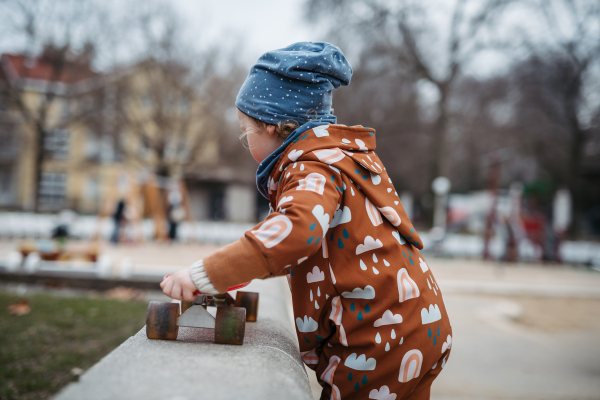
column 283, row 128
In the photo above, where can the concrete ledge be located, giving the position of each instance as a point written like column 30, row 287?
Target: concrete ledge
column 266, row 366
column 80, row 281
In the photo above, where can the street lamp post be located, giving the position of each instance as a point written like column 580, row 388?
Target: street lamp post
column 441, row 188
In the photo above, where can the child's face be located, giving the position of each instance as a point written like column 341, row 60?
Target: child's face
column 262, row 141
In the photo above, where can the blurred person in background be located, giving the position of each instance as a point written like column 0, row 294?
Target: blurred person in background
column 176, row 213
column 119, row 220
column 62, row 229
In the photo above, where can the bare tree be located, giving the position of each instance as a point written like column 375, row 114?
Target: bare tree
column 393, row 110
column 560, row 80
column 173, row 100
column 422, row 49
column 162, row 115
column 59, row 40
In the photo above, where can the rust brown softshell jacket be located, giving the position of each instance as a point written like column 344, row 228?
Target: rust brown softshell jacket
column 369, row 315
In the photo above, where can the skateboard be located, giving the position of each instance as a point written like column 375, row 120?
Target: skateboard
column 164, row 319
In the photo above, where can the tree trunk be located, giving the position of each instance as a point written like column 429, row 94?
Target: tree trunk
column 439, row 137
column 437, row 145
column 572, row 95
column 574, row 177
column 39, row 160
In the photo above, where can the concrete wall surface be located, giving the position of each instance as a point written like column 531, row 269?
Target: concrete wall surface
column 266, row 366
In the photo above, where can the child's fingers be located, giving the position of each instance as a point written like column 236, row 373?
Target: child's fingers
column 176, row 291
column 167, row 286
column 188, row 295
column 177, row 286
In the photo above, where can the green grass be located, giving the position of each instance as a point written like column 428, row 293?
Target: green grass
column 39, row 350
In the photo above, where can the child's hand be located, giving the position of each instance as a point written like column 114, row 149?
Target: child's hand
column 179, row 286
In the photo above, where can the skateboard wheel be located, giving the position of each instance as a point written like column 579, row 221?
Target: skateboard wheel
column 161, row 320
column 230, row 325
column 220, row 300
column 185, row 305
column 248, row 300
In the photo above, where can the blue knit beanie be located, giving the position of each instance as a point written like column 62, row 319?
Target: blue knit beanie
column 294, row 83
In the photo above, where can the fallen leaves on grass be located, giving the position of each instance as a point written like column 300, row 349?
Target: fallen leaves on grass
column 19, row 308
column 38, row 351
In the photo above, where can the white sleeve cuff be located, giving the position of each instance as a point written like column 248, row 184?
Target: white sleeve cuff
column 200, row 278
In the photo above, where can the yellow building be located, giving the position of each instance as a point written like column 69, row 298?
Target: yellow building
column 35, row 97
column 136, row 121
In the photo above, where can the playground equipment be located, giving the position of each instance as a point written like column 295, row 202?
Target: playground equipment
column 164, row 319
column 47, row 256
column 49, row 251
column 145, row 194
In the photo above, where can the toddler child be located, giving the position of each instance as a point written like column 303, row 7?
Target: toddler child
column 370, row 318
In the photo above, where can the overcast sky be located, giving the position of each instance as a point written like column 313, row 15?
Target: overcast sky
column 250, row 27
column 261, row 25
column 257, row 26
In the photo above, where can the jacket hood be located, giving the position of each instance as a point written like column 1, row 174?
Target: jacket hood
column 349, row 149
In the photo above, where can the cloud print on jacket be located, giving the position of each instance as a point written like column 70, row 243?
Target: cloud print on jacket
column 341, row 216
column 360, row 363
column 321, row 216
column 295, row 154
column 306, row 325
column 382, row 394
column 367, row 293
column 285, row 199
column 434, row 314
column 388, row 318
column 321, row 131
column 370, row 244
column 315, row 276
column 447, row 344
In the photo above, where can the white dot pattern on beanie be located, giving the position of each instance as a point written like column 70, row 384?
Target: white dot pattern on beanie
column 300, row 71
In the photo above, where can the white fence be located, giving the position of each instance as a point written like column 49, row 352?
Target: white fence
column 18, row 225
column 471, row 246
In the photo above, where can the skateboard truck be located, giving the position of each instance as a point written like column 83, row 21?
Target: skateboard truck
column 164, row 319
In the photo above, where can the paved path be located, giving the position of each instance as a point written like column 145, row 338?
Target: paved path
column 520, row 332
column 495, row 357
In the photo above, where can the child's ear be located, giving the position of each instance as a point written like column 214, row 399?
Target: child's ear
column 271, row 129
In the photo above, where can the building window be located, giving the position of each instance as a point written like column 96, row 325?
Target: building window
column 65, row 109
column 92, row 147
column 52, row 188
column 92, row 188
column 107, row 149
column 8, row 142
column 7, row 195
column 217, row 205
column 56, row 143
